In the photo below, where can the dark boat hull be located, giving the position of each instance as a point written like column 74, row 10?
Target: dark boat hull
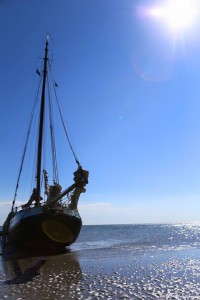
column 39, row 226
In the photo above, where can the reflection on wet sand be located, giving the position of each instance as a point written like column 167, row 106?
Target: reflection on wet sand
column 23, row 276
column 107, row 273
column 43, row 276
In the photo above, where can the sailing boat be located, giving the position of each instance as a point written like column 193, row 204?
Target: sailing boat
column 53, row 219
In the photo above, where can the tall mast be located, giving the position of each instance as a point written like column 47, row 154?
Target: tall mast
column 41, row 124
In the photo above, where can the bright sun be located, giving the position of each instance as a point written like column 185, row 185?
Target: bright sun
column 177, row 14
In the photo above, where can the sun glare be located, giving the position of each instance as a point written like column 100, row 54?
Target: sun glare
column 177, row 14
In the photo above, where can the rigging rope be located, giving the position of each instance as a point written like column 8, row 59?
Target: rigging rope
column 66, row 133
column 26, row 143
column 55, row 169
column 53, row 147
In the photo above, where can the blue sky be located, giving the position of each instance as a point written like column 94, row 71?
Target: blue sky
column 129, row 85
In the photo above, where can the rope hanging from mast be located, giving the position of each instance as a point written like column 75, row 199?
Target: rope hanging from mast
column 59, row 109
column 53, row 147
column 26, row 144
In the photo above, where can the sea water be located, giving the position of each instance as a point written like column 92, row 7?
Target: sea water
column 147, row 237
column 111, row 262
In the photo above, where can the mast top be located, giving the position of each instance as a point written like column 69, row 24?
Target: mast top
column 47, row 40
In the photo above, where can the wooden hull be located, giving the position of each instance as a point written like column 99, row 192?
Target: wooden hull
column 40, row 226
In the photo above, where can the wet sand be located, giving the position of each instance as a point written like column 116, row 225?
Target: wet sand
column 107, row 273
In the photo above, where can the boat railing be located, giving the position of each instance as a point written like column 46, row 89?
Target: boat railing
column 63, row 203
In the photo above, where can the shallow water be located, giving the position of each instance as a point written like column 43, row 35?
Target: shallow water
column 110, row 262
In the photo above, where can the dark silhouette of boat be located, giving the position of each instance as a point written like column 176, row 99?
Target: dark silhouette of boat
column 54, row 218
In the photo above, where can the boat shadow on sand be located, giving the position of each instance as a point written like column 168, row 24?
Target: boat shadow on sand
column 21, row 266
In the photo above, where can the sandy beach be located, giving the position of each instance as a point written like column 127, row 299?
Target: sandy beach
column 108, row 273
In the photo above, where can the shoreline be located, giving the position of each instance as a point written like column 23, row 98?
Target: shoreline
column 123, row 271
